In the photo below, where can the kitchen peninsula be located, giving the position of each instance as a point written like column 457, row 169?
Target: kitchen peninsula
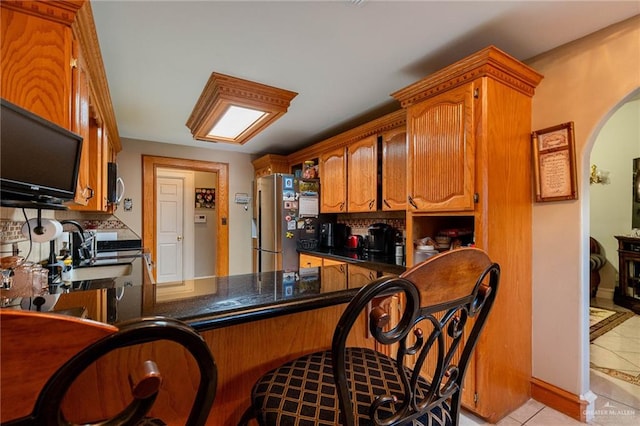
column 251, row 322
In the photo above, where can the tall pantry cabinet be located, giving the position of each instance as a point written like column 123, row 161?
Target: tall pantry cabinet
column 469, row 167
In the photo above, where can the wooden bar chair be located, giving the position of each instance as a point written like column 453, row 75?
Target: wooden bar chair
column 43, row 354
column 413, row 374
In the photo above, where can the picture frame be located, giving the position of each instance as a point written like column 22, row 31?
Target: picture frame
column 554, row 161
column 205, row 198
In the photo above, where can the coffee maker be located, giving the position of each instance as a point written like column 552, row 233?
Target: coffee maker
column 380, row 239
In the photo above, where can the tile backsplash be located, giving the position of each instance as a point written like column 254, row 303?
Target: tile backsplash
column 11, row 231
column 11, row 237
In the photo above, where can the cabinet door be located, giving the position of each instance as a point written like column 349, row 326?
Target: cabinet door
column 108, row 156
column 441, row 152
column 333, row 181
column 362, row 175
column 80, row 125
column 308, row 261
column 360, row 276
column 35, row 62
column 99, row 155
column 394, row 169
column 334, row 275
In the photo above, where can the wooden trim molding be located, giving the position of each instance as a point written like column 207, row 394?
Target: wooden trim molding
column 379, row 125
column 149, row 166
column 489, row 61
column 559, row 399
column 84, row 31
column 223, row 91
column 63, row 12
column 279, row 161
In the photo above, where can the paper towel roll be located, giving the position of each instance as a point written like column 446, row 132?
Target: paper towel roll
column 50, row 229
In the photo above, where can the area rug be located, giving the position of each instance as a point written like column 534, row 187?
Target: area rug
column 618, row 374
column 603, row 320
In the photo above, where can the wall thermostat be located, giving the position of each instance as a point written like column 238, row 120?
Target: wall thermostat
column 200, row 218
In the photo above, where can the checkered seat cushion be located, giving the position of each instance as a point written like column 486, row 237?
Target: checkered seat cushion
column 302, row 391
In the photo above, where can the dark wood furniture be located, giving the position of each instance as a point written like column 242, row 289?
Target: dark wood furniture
column 51, row 362
column 627, row 293
column 596, row 261
column 416, row 373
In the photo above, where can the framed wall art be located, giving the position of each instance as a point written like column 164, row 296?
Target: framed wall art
column 554, row 163
column 205, row 198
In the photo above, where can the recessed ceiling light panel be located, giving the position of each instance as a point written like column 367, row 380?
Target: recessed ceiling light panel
column 234, row 110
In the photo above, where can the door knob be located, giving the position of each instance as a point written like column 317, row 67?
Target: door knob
column 179, row 238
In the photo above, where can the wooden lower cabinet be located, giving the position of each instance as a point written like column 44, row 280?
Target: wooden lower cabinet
column 308, row 261
column 359, row 276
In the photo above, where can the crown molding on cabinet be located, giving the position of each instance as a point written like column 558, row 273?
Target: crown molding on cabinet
column 374, row 127
column 489, row 61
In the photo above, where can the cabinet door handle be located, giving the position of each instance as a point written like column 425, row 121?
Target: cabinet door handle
column 341, row 206
column 371, row 203
column 386, row 203
column 412, row 202
column 91, row 193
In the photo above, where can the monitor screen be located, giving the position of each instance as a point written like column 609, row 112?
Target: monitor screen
column 39, row 160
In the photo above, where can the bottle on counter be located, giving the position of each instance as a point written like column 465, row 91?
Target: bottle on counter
column 399, row 248
column 67, row 265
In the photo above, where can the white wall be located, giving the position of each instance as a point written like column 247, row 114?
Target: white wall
column 617, row 144
column 584, row 82
column 240, row 180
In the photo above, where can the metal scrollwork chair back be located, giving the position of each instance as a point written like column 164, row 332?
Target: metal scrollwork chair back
column 413, row 374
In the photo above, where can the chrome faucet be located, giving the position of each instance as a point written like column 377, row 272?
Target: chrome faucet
column 81, row 252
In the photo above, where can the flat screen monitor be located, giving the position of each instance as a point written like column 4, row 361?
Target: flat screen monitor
column 39, row 160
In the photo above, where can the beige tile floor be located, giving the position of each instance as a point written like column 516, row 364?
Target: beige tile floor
column 618, row 401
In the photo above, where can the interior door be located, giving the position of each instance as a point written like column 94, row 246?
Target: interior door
column 170, row 199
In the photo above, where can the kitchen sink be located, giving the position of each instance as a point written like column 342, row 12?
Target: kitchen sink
column 101, row 271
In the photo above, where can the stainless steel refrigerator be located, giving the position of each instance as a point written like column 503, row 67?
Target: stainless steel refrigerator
column 276, row 223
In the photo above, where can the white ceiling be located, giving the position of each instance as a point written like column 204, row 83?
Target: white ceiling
column 344, row 58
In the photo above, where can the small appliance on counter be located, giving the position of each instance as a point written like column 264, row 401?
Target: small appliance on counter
column 112, row 247
column 380, row 239
column 333, row 235
column 354, row 242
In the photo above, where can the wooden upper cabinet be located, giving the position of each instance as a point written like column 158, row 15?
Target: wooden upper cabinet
column 99, row 154
column 333, row 181
column 441, row 152
column 270, row 164
column 52, row 66
column 394, row 169
column 36, row 57
column 362, row 175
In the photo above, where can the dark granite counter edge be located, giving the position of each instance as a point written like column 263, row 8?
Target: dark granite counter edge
column 388, row 267
column 244, row 315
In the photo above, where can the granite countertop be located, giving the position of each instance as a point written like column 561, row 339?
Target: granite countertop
column 204, row 303
column 360, row 257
